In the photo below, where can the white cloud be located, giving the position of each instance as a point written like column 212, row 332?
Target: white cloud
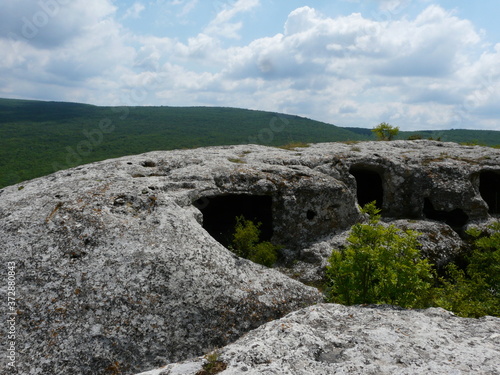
column 188, row 7
column 48, row 24
column 430, row 71
column 80, row 42
column 134, row 11
column 202, row 47
column 393, row 5
column 222, row 25
column 409, row 70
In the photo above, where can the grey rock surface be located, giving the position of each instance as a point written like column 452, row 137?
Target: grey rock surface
column 115, row 271
column 439, row 243
column 329, row 339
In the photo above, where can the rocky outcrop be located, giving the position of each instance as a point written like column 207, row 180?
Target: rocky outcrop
column 335, row 339
column 114, row 276
column 439, row 243
column 122, row 265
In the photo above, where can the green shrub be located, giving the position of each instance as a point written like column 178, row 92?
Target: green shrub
column 213, row 365
column 264, row 253
column 385, row 131
column 379, row 265
column 415, row 137
column 294, row 145
column 246, row 243
column 246, row 236
column 383, row 265
column 475, row 291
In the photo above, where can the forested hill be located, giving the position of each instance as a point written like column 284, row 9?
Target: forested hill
column 38, row 138
column 480, row 137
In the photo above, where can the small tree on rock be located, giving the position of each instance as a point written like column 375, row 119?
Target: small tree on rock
column 381, row 264
column 246, row 243
column 385, row 132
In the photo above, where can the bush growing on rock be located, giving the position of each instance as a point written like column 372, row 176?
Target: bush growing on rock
column 383, row 265
column 475, row 291
column 380, row 265
column 246, row 243
column 385, row 131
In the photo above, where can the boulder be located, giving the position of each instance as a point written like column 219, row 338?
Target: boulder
column 122, row 265
column 114, row 276
column 331, row 339
column 440, row 244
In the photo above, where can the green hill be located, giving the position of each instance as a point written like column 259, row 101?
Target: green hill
column 38, row 138
column 480, row 137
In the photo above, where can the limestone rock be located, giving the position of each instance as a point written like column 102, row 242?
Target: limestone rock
column 329, row 339
column 439, row 243
column 112, row 275
column 121, row 265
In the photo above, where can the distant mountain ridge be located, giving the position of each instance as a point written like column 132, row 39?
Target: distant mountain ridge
column 482, row 137
column 38, row 137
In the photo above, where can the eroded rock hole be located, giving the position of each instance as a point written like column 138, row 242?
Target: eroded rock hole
column 369, row 186
column 489, row 187
column 148, row 164
column 455, row 219
column 220, row 212
column 310, row 214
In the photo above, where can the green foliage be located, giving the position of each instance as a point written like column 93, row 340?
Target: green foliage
column 464, row 136
column 385, row 132
column 294, row 145
column 38, row 138
column 383, row 265
column 246, row 236
column 372, row 211
column 414, row 137
column 246, row 243
column 213, row 365
column 475, row 291
column 264, row 253
column 380, row 265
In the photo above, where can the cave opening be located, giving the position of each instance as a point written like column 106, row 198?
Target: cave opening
column 310, row 214
column 369, row 185
column 456, row 218
column 220, row 212
column 489, row 188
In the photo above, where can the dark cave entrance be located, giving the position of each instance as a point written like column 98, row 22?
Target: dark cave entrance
column 456, row 219
column 489, row 188
column 369, row 186
column 220, row 212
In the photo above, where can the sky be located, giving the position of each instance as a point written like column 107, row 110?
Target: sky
column 416, row 64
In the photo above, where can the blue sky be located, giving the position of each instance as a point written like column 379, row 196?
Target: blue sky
column 417, row 64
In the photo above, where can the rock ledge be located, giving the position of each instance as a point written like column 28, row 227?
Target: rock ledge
column 329, row 339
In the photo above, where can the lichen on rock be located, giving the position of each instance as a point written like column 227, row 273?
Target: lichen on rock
column 336, row 339
column 118, row 268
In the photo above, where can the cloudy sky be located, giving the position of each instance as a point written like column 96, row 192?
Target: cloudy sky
column 417, row 64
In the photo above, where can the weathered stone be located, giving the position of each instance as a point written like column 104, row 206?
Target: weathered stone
column 116, row 273
column 440, row 244
column 331, row 339
column 113, row 275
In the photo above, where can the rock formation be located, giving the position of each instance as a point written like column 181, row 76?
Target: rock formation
column 329, row 339
column 122, row 265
